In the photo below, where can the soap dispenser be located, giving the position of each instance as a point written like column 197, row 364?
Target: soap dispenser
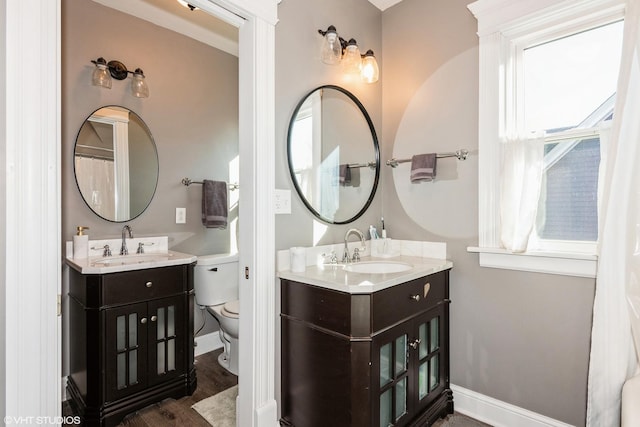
column 81, row 243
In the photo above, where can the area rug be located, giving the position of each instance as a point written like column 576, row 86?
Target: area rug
column 220, row 409
column 459, row 420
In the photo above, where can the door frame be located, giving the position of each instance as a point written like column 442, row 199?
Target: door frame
column 30, row 53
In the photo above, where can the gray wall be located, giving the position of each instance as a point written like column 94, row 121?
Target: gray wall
column 298, row 71
column 192, row 112
column 519, row 337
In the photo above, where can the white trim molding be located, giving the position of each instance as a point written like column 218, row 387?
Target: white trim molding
column 496, row 412
column 384, row 4
column 207, row 342
column 502, row 24
column 579, row 265
column 164, row 18
column 33, row 274
column 256, row 405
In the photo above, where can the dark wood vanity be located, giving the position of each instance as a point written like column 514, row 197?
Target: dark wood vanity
column 368, row 359
column 131, row 341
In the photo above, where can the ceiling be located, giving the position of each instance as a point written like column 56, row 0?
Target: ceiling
column 196, row 24
column 169, row 14
column 384, row 4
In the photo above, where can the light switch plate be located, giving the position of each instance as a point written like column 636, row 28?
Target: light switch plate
column 181, row 215
column 282, row 201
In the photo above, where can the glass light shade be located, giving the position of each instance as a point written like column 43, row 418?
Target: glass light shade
column 331, row 47
column 352, row 61
column 139, row 86
column 101, row 76
column 370, row 71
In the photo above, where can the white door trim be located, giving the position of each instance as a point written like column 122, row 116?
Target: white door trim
column 31, row 88
column 256, row 405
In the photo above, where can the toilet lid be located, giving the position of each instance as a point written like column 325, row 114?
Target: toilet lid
column 232, row 308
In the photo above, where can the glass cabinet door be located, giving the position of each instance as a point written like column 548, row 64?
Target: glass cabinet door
column 391, row 362
column 431, row 355
column 166, row 338
column 126, row 335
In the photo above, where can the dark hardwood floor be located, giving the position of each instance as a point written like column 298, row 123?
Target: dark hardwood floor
column 212, row 379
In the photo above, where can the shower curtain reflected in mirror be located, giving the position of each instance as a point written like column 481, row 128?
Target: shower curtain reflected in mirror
column 95, row 178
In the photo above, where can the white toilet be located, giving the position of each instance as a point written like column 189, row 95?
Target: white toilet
column 216, row 288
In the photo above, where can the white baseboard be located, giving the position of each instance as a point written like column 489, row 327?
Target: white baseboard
column 496, row 412
column 208, row 342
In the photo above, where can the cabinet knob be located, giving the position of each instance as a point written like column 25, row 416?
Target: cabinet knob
column 148, row 284
column 154, row 318
column 415, row 297
column 414, row 344
column 143, row 320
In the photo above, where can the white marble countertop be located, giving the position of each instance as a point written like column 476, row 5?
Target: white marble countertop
column 117, row 263
column 335, row 277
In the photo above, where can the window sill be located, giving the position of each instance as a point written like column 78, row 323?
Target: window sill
column 567, row 264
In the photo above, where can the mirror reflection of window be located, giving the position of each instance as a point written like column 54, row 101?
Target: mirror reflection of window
column 330, row 184
column 306, row 152
column 95, row 161
column 330, row 130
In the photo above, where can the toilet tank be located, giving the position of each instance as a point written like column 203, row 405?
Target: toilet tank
column 216, row 279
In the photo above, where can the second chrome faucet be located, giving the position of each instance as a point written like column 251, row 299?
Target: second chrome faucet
column 356, row 253
column 123, row 248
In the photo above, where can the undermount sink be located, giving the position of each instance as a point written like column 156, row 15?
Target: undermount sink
column 378, row 267
column 132, row 259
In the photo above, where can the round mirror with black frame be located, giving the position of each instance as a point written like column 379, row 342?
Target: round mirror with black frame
column 333, row 154
column 116, row 163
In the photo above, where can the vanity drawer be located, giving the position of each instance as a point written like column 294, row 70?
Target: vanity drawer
column 141, row 285
column 394, row 304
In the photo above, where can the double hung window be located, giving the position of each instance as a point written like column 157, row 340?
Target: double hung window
column 548, row 76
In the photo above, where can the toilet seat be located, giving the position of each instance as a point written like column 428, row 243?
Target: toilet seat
column 231, row 309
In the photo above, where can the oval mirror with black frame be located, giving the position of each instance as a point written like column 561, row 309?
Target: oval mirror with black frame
column 333, row 154
column 116, row 163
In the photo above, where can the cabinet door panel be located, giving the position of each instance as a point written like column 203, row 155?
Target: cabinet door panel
column 392, row 405
column 167, row 332
column 431, row 356
column 125, row 350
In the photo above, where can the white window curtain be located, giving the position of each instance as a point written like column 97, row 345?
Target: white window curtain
column 520, row 183
column 616, row 312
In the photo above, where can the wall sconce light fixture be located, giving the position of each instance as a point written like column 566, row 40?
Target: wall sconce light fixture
column 335, row 49
column 104, row 71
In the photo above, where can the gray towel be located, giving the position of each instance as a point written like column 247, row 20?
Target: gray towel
column 345, row 175
column 214, row 204
column 355, row 177
column 423, row 167
column 349, row 177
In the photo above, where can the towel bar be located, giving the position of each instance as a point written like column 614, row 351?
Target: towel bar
column 188, row 182
column 460, row 154
column 371, row 165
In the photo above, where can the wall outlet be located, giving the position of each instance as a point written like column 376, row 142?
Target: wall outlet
column 181, row 215
column 282, row 201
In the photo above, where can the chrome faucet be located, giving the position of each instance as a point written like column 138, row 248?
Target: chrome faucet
column 123, row 248
column 345, row 256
